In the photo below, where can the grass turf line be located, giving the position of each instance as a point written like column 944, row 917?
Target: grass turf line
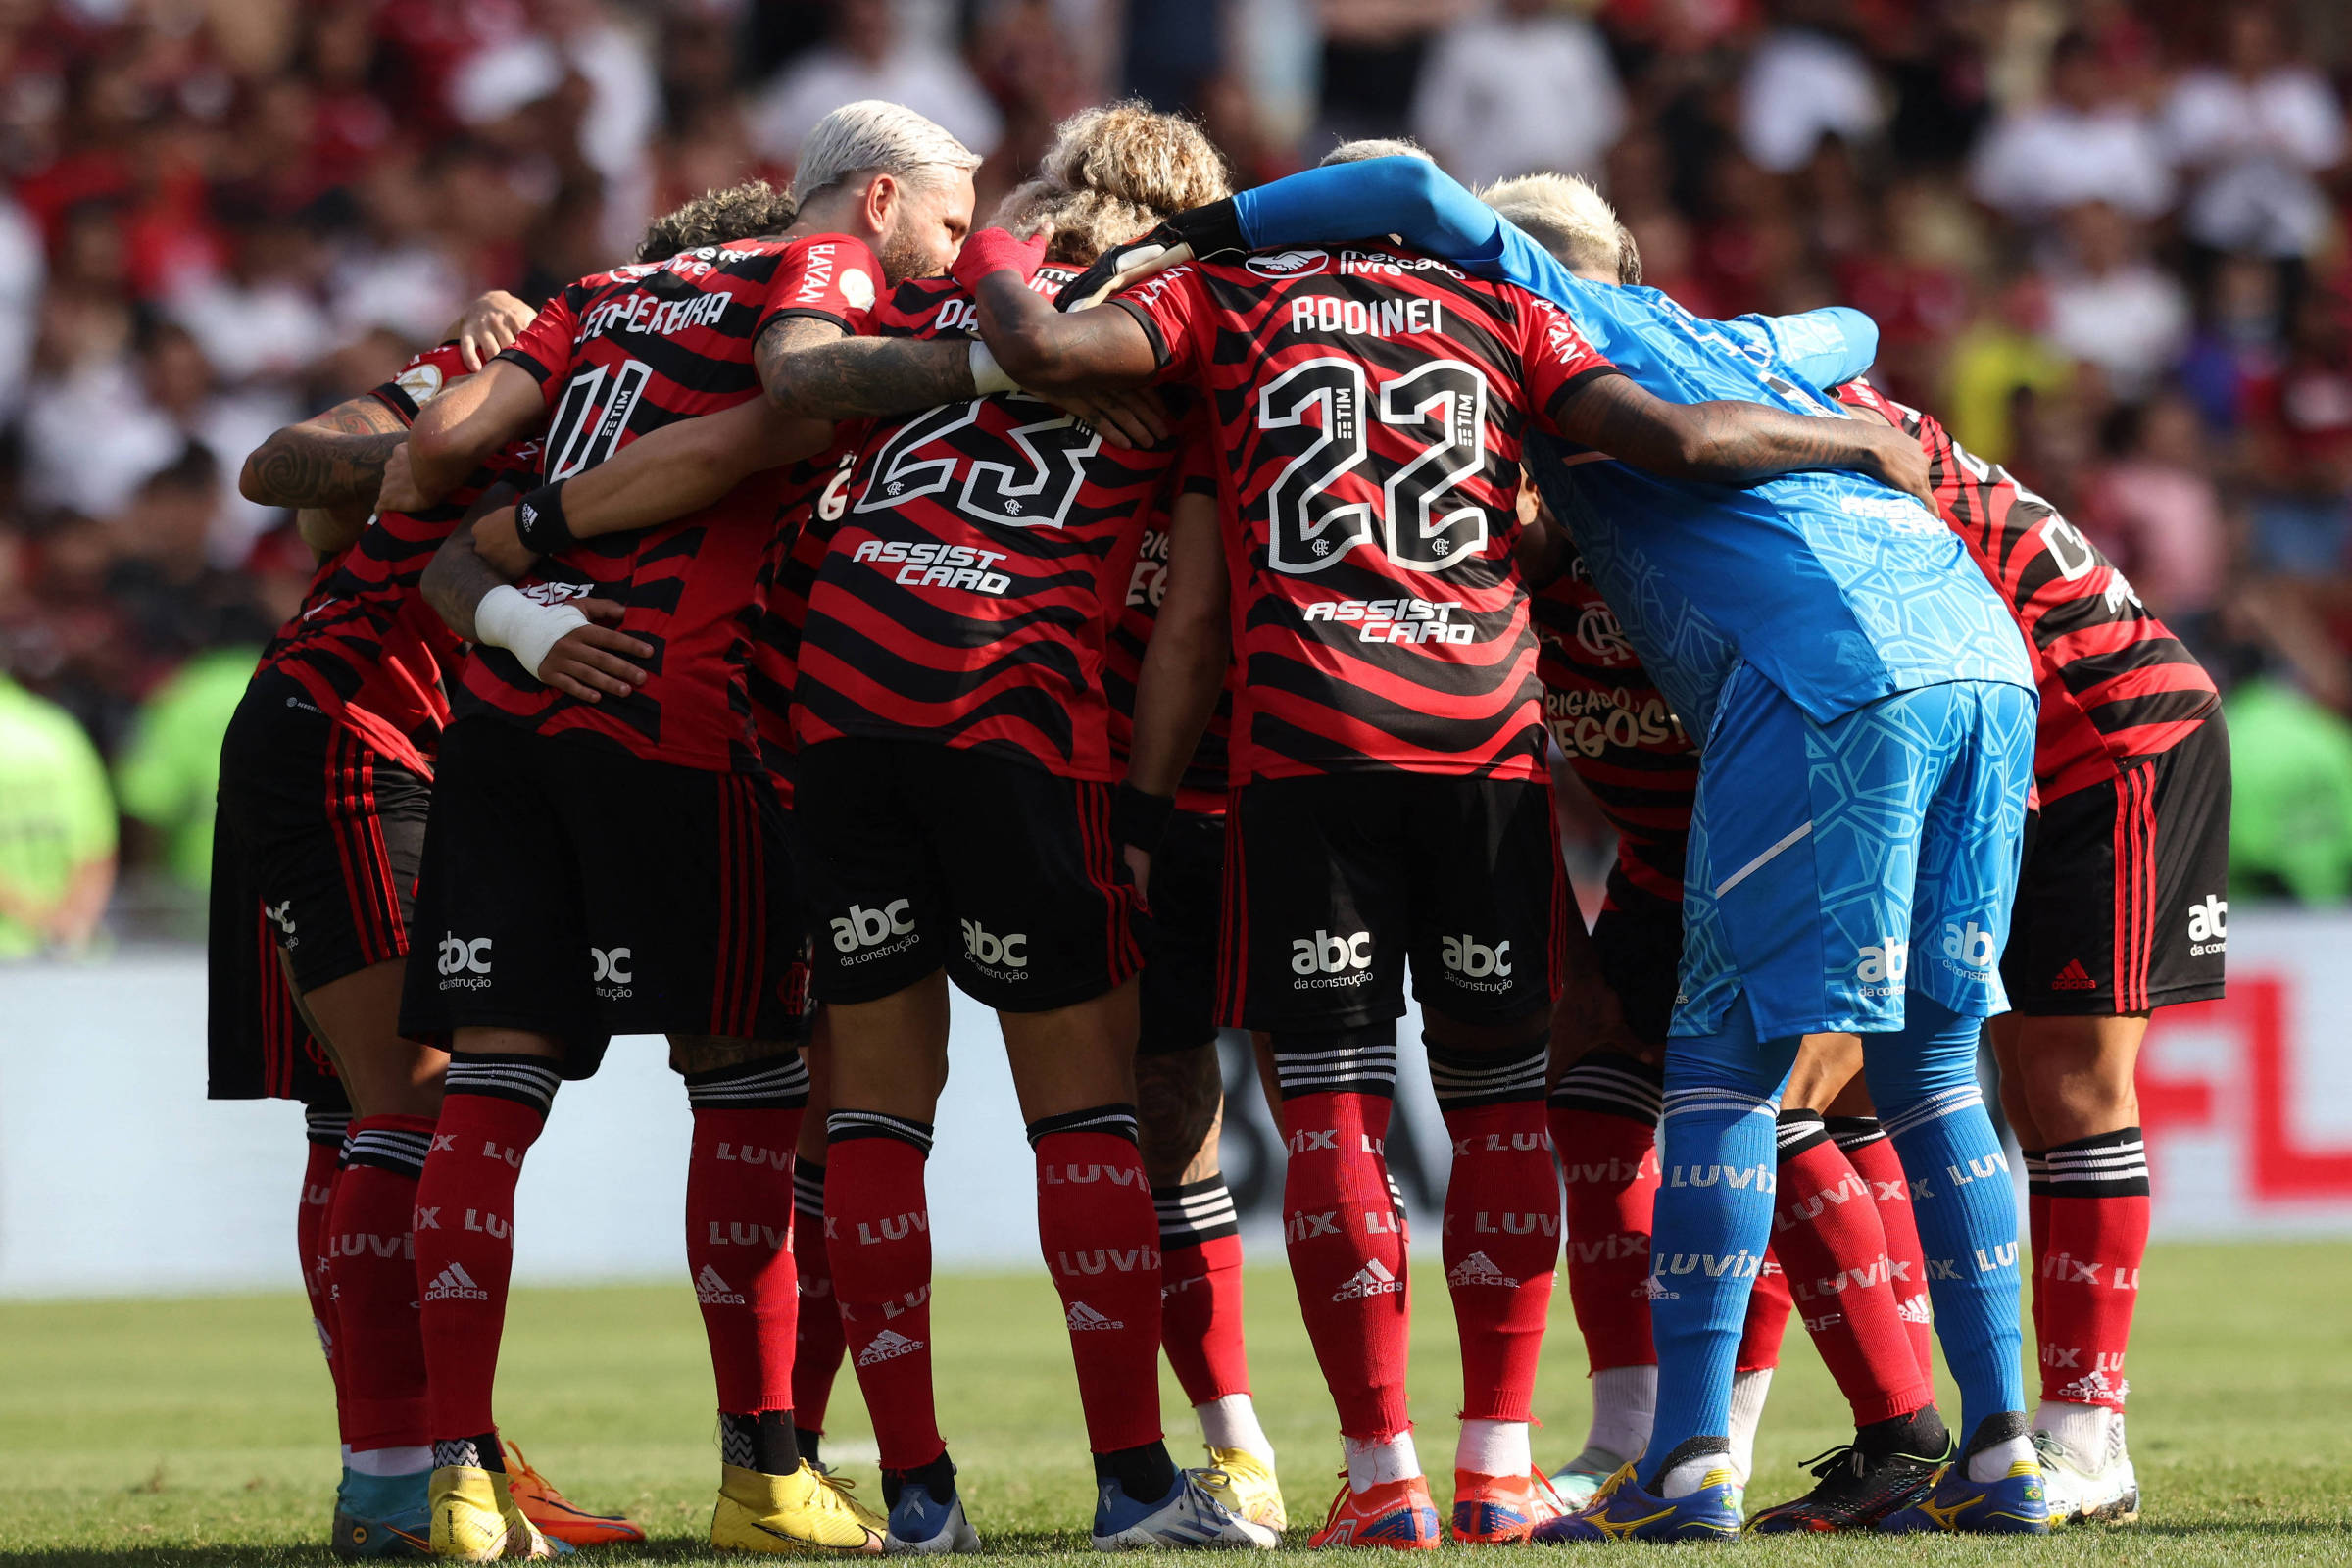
column 199, row 1431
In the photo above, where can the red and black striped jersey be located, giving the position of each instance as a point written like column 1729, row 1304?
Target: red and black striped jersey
column 1623, row 742
column 618, row 355
column 969, row 592
column 364, row 643
column 1207, row 777
column 816, row 495
column 2116, row 686
column 1370, row 405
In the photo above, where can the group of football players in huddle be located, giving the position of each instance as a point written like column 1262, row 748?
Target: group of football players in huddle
column 1164, row 609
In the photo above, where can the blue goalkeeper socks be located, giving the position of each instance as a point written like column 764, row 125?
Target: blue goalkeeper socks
column 1712, row 1225
column 1923, row 1082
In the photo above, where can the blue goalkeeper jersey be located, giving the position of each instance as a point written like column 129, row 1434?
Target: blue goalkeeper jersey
column 1838, row 589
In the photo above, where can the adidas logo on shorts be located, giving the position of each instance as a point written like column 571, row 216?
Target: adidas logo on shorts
column 1373, row 1279
column 1479, row 1269
column 2074, row 978
column 712, row 1290
column 1082, row 1318
column 454, row 1284
column 888, row 1345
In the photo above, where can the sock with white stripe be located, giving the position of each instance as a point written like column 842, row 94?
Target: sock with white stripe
column 372, row 1265
column 1501, row 1236
column 1713, row 1225
column 2087, row 1269
column 819, row 1345
column 878, row 1226
column 1924, row 1083
column 1099, row 1232
column 1342, row 1224
column 493, row 1108
column 738, row 1254
column 1201, row 1295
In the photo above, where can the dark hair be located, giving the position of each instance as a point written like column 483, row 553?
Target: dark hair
column 740, row 212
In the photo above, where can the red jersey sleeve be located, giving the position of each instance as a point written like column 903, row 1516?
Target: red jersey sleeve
column 547, row 346
column 1558, row 357
column 420, row 380
column 1176, row 315
column 830, row 276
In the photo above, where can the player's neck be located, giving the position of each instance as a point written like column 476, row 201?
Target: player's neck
column 837, row 212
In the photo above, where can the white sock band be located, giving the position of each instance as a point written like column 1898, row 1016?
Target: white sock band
column 1747, row 1413
column 407, row 1460
column 1231, row 1421
column 1379, row 1462
column 1494, row 1448
column 1625, row 1403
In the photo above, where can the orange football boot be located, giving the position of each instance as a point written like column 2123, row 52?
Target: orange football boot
column 557, row 1517
column 1397, row 1514
column 1495, row 1510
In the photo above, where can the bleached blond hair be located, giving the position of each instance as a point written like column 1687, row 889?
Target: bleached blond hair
column 1113, row 173
column 1365, row 149
column 873, row 134
column 1565, row 215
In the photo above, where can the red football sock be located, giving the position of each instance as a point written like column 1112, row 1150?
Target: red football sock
column 878, row 1226
column 1875, row 1160
column 371, row 1236
column 818, row 1345
column 2098, row 1236
column 1501, row 1236
column 320, row 1172
column 492, row 1110
column 1100, row 1238
column 1200, row 1290
column 739, row 1248
column 1347, row 1246
column 1605, row 1123
column 1828, row 1236
column 1767, row 1320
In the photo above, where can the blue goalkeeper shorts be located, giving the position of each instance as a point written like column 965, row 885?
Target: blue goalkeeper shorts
column 1836, row 865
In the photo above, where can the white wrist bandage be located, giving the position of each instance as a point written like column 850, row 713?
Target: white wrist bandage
column 987, row 375
column 509, row 618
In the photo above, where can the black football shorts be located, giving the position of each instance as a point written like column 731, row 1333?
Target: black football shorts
column 2123, row 904
column 1332, row 881
column 316, row 846
column 1180, row 934
column 573, row 889
column 1639, row 942
column 922, row 856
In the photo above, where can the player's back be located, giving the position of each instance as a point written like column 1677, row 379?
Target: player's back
column 971, row 580
column 624, row 353
column 1615, row 728
column 1370, row 405
column 1836, row 588
column 2116, row 684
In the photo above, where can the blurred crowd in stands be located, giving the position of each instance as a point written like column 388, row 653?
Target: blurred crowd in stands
column 2106, row 239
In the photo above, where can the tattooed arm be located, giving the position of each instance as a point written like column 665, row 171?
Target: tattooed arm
column 810, row 369
column 1734, row 443
column 331, row 461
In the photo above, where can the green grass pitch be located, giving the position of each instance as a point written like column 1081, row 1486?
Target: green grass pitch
column 198, row 1432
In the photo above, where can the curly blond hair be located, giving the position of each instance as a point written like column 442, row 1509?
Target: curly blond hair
column 1111, row 174
column 740, row 212
column 1568, row 218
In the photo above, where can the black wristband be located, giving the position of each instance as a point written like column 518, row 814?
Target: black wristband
column 1213, row 232
column 1138, row 818
column 539, row 521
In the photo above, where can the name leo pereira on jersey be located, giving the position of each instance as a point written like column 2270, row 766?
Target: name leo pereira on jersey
column 642, row 313
column 937, row 565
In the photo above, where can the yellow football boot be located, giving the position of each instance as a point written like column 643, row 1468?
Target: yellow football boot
column 804, row 1513
column 1246, row 1484
column 475, row 1520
